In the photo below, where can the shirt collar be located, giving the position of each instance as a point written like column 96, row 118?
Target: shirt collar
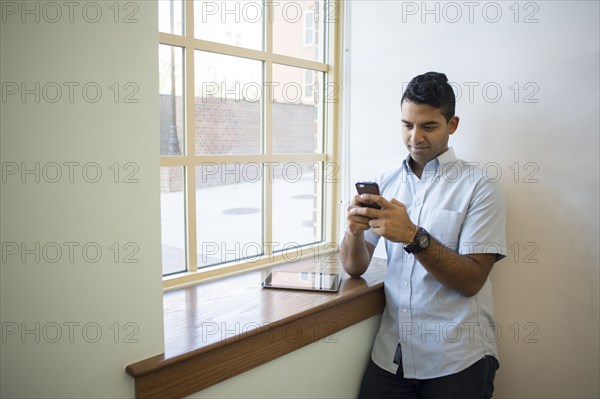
column 442, row 160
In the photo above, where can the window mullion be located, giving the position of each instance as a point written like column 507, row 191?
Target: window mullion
column 268, row 136
column 190, row 137
column 192, row 249
column 332, row 119
column 189, row 18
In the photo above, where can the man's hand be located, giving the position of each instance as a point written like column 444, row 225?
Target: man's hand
column 357, row 223
column 355, row 251
column 391, row 221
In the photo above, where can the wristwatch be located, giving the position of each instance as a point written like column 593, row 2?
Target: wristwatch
column 420, row 242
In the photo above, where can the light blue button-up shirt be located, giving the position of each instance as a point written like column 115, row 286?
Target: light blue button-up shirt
column 440, row 331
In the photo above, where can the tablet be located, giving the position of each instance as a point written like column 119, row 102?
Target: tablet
column 311, row 281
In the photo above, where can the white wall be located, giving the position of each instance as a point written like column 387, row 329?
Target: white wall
column 64, row 302
column 553, row 201
column 330, row 368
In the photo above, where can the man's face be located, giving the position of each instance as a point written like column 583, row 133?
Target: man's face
column 425, row 131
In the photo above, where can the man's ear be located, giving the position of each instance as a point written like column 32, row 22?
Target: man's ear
column 453, row 124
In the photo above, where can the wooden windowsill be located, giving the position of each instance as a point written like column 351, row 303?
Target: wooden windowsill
column 218, row 329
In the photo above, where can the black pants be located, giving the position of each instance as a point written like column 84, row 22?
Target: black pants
column 475, row 382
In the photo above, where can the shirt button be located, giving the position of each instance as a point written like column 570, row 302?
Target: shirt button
column 404, row 311
column 405, row 283
column 418, row 203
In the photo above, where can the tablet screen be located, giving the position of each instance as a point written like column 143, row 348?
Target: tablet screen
column 312, row 281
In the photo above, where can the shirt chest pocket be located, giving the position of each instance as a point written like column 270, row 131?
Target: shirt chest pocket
column 444, row 225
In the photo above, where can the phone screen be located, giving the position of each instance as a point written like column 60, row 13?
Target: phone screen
column 367, row 187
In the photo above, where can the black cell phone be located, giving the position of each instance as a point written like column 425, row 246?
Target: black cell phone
column 368, row 187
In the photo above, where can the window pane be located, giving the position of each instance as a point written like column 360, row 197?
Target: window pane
column 171, row 99
column 228, row 104
column 170, row 16
column 238, row 23
column 296, row 204
column 172, row 219
column 298, row 28
column 229, row 212
column 297, row 110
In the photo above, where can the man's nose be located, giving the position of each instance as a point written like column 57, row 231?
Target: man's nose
column 417, row 135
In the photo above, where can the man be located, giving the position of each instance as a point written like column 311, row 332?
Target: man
column 443, row 223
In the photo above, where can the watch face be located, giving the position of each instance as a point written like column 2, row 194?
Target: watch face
column 421, row 242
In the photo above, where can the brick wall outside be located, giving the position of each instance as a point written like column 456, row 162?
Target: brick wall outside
column 230, row 127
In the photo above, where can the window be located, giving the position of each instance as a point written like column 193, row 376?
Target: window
column 248, row 130
column 309, row 28
column 310, row 88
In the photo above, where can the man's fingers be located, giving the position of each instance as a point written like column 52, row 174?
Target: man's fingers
column 377, row 199
column 357, row 199
column 396, row 202
column 364, row 211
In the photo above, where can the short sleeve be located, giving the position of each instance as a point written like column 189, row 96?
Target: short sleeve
column 484, row 227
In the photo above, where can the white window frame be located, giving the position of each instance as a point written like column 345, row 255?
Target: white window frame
column 329, row 157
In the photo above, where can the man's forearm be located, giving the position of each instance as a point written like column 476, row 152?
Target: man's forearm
column 355, row 254
column 464, row 273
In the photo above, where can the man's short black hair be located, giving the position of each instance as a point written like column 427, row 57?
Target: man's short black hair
column 431, row 88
